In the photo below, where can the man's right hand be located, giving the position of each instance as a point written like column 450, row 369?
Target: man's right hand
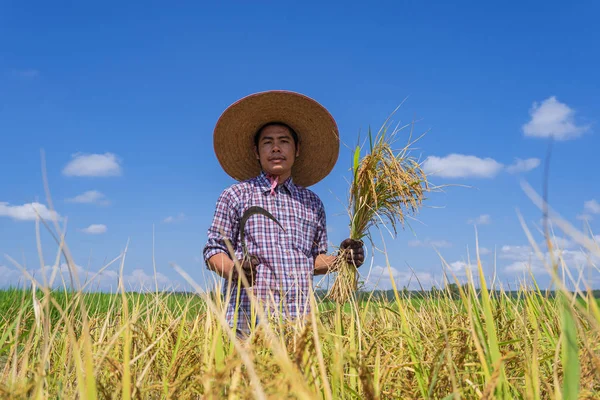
column 225, row 267
column 249, row 268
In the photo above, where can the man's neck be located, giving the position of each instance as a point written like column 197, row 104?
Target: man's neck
column 280, row 178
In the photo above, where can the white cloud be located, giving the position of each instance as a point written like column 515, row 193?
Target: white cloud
column 427, row 243
column 93, row 165
column 483, row 219
column 483, row 251
column 523, row 258
column 562, row 243
column 27, row 212
column 552, row 118
column 516, row 252
column 108, row 280
column 592, row 207
column 460, row 267
column 578, row 258
column 462, row 166
column 524, row 266
column 523, row 165
column 139, row 279
column 170, row 219
column 95, row 229
column 379, row 277
column 9, row 275
column 90, row 197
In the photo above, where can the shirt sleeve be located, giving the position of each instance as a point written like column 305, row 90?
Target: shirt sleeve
column 320, row 244
column 224, row 226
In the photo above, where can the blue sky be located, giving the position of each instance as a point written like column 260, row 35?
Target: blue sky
column 123, row 98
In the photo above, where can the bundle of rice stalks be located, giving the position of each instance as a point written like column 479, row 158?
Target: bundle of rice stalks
column 386, row 187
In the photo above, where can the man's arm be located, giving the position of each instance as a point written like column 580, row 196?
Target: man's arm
column 223, row 228
column 221, row 264
column 323, row 264
column 352, row 252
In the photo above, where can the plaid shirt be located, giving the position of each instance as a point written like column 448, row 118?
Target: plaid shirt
column 287, row 258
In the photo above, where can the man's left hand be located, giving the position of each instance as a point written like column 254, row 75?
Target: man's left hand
column 353, row 252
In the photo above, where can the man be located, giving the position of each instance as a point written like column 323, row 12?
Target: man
column 275, row 144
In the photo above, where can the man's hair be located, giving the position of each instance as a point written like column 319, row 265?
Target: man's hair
column 292, row 132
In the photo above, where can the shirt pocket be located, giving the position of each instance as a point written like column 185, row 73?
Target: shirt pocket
column 303, row 234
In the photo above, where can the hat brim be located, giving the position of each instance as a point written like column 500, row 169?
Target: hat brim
column 317, row 130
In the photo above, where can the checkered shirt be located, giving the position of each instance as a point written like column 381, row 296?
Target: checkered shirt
column 287, row 258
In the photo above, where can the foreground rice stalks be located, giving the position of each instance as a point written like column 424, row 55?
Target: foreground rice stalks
column 474, row 343
column 471, row 340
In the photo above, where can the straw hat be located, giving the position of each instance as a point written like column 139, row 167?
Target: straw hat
column 317, row 133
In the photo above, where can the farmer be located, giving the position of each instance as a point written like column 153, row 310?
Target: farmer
column 275, row 144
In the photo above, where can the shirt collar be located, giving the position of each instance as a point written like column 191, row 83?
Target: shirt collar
column 266, row 185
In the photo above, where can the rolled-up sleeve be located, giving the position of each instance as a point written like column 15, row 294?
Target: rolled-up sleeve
column 320, row 244
column 224, row 226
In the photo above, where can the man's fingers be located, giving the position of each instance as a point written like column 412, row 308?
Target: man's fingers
column 353, row 251
column 351, row 244
column 356, row 246
column 356, row 258
column 346, row 243
column 250, row 263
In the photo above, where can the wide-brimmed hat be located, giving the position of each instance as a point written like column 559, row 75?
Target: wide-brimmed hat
column 317, row 131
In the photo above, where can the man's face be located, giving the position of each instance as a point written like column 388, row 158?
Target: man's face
column 276, row 150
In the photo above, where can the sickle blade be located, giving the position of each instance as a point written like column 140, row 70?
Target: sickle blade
column 247, row 214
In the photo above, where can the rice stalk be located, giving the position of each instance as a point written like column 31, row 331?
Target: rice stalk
column 387, row 186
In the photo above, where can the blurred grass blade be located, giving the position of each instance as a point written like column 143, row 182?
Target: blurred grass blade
column 356, row 162
column 570, row 353
column 490, row 327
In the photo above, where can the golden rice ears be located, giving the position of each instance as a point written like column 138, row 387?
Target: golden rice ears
column 386, row 187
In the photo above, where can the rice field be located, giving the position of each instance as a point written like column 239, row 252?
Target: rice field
column 470, row 342
column 471, row 339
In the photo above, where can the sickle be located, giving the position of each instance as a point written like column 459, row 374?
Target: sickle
column 247, row 214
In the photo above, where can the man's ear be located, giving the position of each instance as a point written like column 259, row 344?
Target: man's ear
column 298, row 150
column 256, row 153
